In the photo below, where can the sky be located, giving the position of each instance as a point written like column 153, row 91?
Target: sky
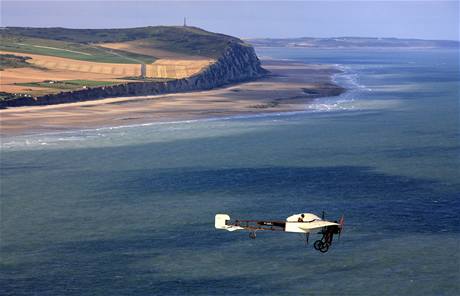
column 250, row 19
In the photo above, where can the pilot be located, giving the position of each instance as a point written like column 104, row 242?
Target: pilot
column 301, row 218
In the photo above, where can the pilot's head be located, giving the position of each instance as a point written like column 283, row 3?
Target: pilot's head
column 303, row 216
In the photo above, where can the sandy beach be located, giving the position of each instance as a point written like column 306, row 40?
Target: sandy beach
column 289, row 87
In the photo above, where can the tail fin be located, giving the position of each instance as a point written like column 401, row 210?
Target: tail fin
column 221, row 221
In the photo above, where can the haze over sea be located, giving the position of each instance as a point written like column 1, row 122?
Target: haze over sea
column 130, row 210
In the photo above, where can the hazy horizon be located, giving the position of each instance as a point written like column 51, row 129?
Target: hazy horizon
column 246, row 38
column 429, row 20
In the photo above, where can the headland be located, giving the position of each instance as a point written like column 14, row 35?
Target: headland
column 56, row 79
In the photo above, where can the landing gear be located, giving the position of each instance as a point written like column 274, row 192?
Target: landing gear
column 317, row 245
column 321, row 246
column 325, row 242
column 252, row 234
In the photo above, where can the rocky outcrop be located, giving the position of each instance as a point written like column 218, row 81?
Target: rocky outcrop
column 238, row 63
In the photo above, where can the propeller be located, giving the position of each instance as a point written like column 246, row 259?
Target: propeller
column 341, row 225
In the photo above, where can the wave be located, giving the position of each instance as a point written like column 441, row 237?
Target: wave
column 348, row 79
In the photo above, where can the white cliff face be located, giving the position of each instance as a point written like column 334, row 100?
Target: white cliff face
column 238, row 63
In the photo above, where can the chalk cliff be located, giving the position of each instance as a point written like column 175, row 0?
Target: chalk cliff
column 237, row 63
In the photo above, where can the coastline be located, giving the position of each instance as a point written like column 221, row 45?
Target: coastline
column 289, row 87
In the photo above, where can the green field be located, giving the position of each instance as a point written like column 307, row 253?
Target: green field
column 13, row 61
column 55, row 87
column 69, row 84
column 70, row 50
column 8, row 96
column 185, row 40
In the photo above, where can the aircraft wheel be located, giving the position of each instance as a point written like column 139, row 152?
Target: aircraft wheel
column 318, row 245
column 324, row 248
column 252, row 235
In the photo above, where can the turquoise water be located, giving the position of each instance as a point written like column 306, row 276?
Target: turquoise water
column 129, row 210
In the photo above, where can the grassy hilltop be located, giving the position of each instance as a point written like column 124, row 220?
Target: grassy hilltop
column 84, row 44
column 38, row 61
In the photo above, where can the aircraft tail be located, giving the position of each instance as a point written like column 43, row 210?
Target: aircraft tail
column 220, row 221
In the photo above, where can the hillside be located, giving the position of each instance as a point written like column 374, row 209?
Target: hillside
column 51, row 57
column 39, row 64
column 352, row 42
column 184, row 40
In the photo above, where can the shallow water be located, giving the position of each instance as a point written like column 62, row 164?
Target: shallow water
column 129, row 210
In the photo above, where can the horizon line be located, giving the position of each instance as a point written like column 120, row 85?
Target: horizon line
column 243, row 38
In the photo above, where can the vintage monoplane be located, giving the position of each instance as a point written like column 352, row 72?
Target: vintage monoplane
column 304, row 223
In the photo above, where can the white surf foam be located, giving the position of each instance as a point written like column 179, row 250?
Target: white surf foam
column 348, row 79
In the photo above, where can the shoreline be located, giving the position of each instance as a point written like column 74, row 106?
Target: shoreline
column 289, row 87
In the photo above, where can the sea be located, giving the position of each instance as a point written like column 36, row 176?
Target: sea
column 129, row 210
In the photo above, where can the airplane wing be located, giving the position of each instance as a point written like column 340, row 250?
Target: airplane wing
column 315, row 225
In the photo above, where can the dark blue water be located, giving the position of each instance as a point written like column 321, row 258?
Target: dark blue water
column 129, row 211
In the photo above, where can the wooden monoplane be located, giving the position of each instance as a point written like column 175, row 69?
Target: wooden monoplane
column 304, row 223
